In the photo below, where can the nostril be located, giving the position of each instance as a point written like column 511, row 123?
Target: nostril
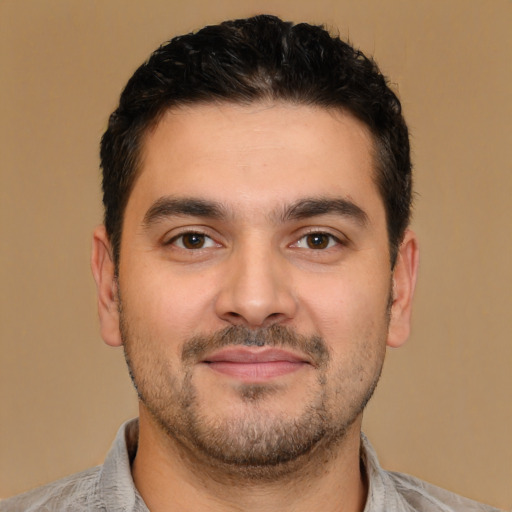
column 252, row 322
column 256, row 301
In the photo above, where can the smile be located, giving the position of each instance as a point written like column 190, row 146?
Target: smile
column 251, row 365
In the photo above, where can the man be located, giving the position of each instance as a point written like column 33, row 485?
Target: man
column 254, row 263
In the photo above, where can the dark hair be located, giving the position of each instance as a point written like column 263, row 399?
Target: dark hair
column 242, row 61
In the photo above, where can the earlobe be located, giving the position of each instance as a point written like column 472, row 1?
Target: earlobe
column 404, row 282
column 103, row 270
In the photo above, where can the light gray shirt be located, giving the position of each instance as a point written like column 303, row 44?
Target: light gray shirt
column 110, row 487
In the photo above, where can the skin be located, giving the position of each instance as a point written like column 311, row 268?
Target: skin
column 254, row 266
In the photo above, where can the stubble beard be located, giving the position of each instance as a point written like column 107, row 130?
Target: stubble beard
column 255, row 445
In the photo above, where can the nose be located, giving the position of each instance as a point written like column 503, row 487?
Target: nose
column 256, row 291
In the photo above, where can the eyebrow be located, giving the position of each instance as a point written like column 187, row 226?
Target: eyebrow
column 168, row 206
column 312, row 207
column 192, row 207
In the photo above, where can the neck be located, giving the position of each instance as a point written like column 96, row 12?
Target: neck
column 171, row 476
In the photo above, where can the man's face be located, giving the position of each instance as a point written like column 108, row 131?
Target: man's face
column 254, row 279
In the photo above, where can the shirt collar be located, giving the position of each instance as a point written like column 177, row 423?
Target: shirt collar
column 116, row 486
column 118, row 491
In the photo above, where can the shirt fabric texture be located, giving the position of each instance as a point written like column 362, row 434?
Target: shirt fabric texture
column 110, row 487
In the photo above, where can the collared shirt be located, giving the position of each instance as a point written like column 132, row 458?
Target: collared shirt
column 110, row 487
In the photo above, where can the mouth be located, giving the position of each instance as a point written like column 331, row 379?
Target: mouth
column 254, row 364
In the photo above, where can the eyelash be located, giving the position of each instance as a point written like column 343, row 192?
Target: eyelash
column 332, row 241
column 174, row 240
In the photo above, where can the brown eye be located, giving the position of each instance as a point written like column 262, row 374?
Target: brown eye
column 191, row 241
column 318, row 240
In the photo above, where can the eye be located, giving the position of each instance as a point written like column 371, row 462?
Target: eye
column 317, row 241
column 191, row 241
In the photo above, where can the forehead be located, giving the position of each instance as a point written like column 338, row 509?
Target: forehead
column 255, row 154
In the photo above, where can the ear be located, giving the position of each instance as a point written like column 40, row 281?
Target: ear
column 404, row 282
column 103, row 270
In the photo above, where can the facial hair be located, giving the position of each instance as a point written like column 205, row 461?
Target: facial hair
column 256, row 444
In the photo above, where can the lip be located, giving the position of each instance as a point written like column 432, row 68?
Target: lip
column 252, row 364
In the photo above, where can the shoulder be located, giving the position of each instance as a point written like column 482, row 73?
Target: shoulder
column 109, row 486
column 76, row 493
column 399, row 492
column 426, row 497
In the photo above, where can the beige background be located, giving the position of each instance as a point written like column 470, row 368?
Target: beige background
column 444, row 408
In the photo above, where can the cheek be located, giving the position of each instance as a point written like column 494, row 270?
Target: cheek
column 165, row 307
column 347, row 306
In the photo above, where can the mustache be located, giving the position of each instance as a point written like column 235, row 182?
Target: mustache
column 195, row 349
